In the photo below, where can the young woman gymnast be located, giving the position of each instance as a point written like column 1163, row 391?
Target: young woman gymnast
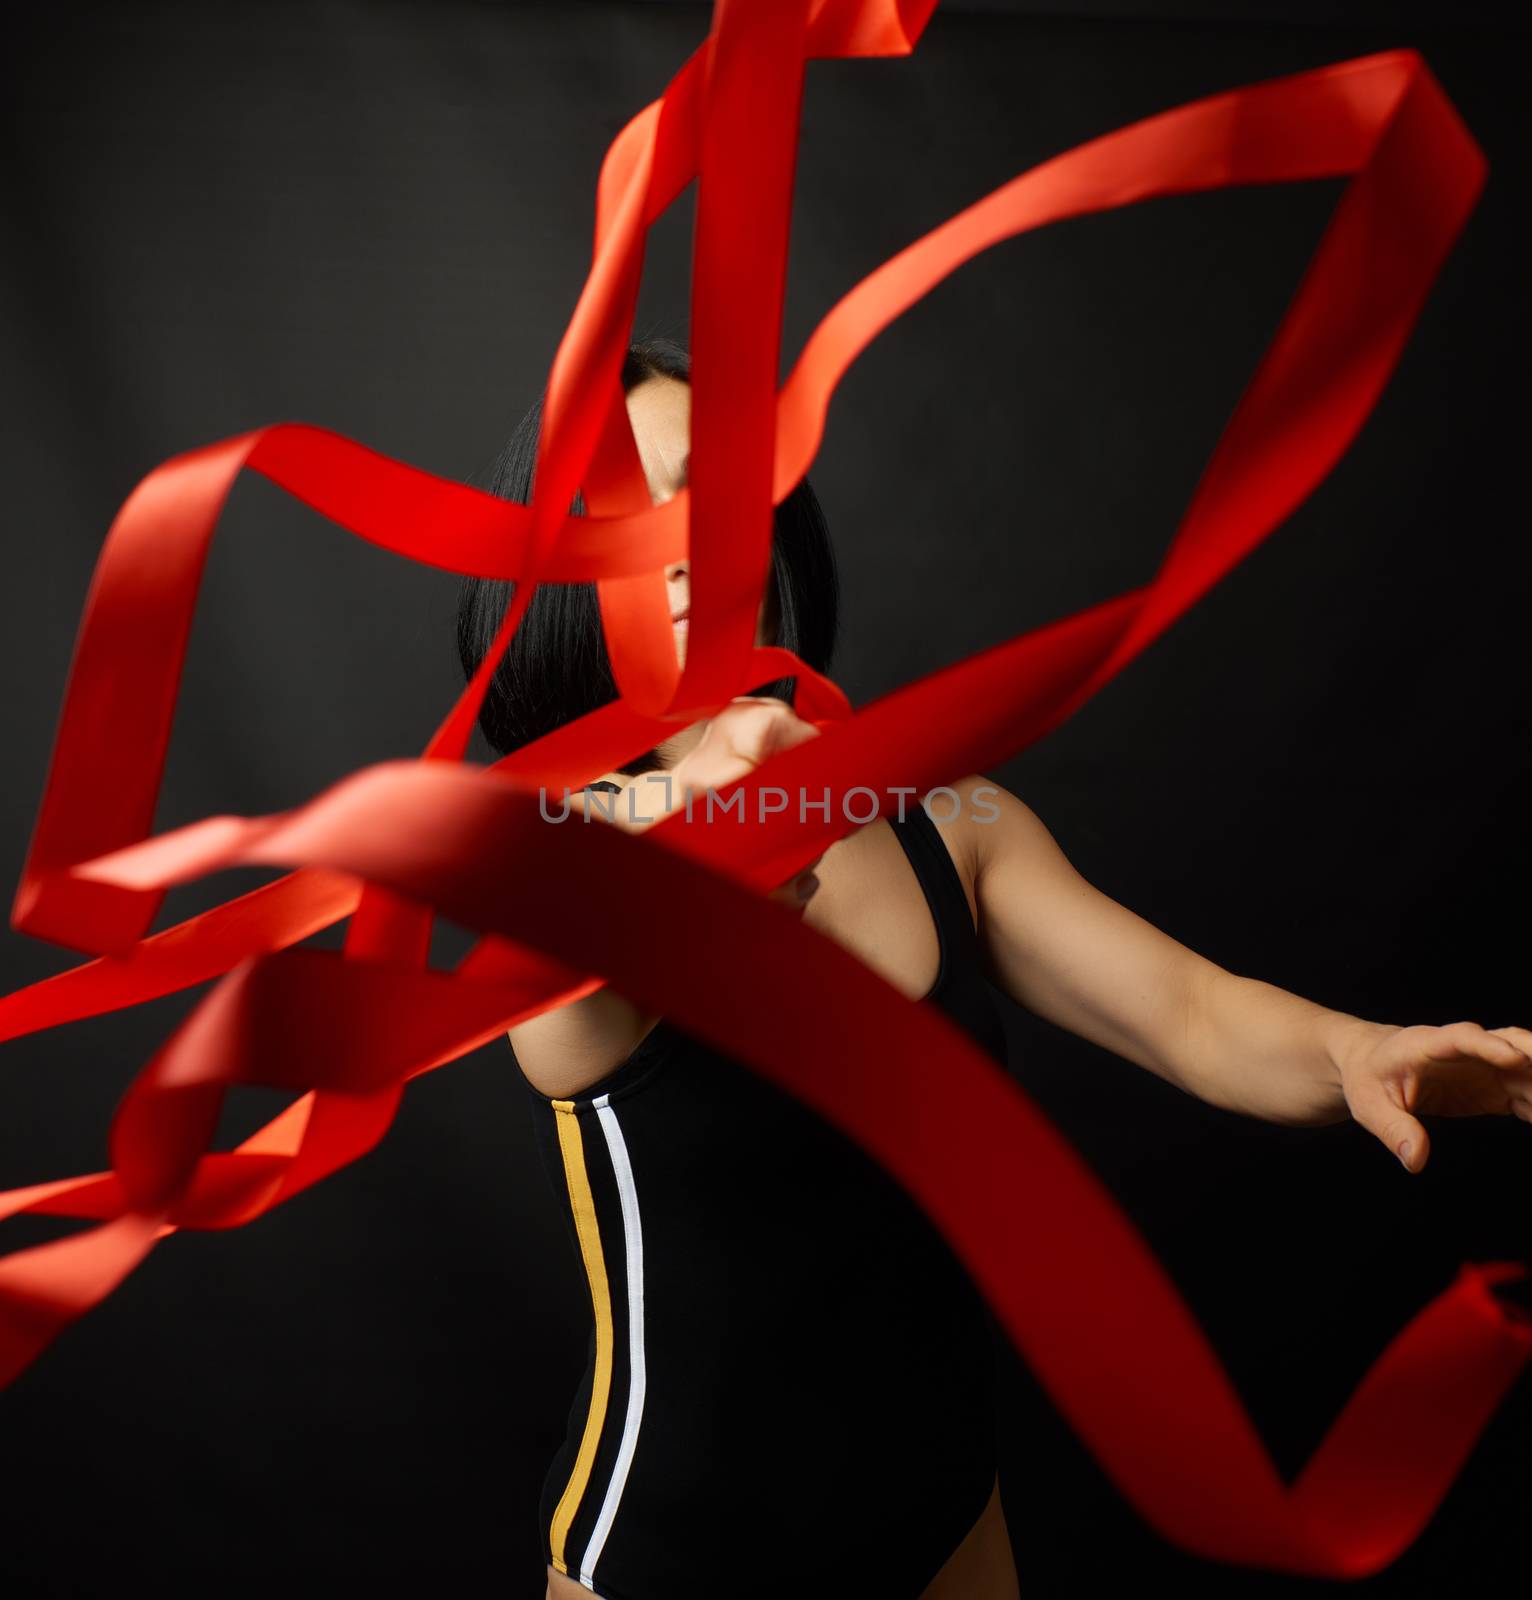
column 789, row 1385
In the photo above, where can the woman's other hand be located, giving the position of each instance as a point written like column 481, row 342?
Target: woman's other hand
column 1461, row 1070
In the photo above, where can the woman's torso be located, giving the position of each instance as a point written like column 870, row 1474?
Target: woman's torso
column 787, row 1369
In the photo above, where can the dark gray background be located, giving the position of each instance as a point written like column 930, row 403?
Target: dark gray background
column 377, row 218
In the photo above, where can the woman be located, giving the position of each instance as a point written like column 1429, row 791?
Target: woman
column 789, row 1383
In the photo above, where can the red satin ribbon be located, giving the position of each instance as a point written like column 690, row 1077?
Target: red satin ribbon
column 1079, row 1293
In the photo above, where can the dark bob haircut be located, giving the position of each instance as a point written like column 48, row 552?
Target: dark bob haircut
column 556, row 667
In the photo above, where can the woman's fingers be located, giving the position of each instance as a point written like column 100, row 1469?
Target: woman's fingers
column 1519, row 1080
column 756, row 730
column 746, row 733
column 1498, row 1046
column 1520, row 1037
column 1376, row 1103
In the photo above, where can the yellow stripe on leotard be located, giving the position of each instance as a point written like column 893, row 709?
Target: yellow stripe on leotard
column 584, row 1206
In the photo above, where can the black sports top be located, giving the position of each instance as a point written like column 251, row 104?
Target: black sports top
column 790, row 1375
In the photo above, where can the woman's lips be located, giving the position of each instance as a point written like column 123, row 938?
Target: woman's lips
column 681, row 618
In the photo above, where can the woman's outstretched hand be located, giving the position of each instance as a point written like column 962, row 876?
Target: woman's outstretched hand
column 1460, row 1070
column 748, row 731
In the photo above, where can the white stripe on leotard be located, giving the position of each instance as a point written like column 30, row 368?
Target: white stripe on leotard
column 634, row 1241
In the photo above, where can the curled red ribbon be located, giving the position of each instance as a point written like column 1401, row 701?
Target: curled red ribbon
column 397, row 843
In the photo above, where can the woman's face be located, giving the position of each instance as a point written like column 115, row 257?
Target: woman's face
column 660, row 411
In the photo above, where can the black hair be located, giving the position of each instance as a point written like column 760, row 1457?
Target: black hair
column 556, row 667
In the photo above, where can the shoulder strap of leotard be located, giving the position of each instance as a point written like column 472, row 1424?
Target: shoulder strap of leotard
column 938, row 874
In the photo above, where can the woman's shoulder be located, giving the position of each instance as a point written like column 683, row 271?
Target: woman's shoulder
column 978, row 792
column 961, row 810
column 983, row 824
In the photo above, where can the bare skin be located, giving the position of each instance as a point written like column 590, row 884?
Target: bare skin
column 1056, row 945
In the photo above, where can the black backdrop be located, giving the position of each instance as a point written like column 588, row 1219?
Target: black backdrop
column 377, row 218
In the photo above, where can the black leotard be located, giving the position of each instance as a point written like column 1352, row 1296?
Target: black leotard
column 789, row 1386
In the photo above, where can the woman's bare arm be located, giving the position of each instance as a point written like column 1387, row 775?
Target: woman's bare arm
column 1059, row 946
column 1073, row 955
